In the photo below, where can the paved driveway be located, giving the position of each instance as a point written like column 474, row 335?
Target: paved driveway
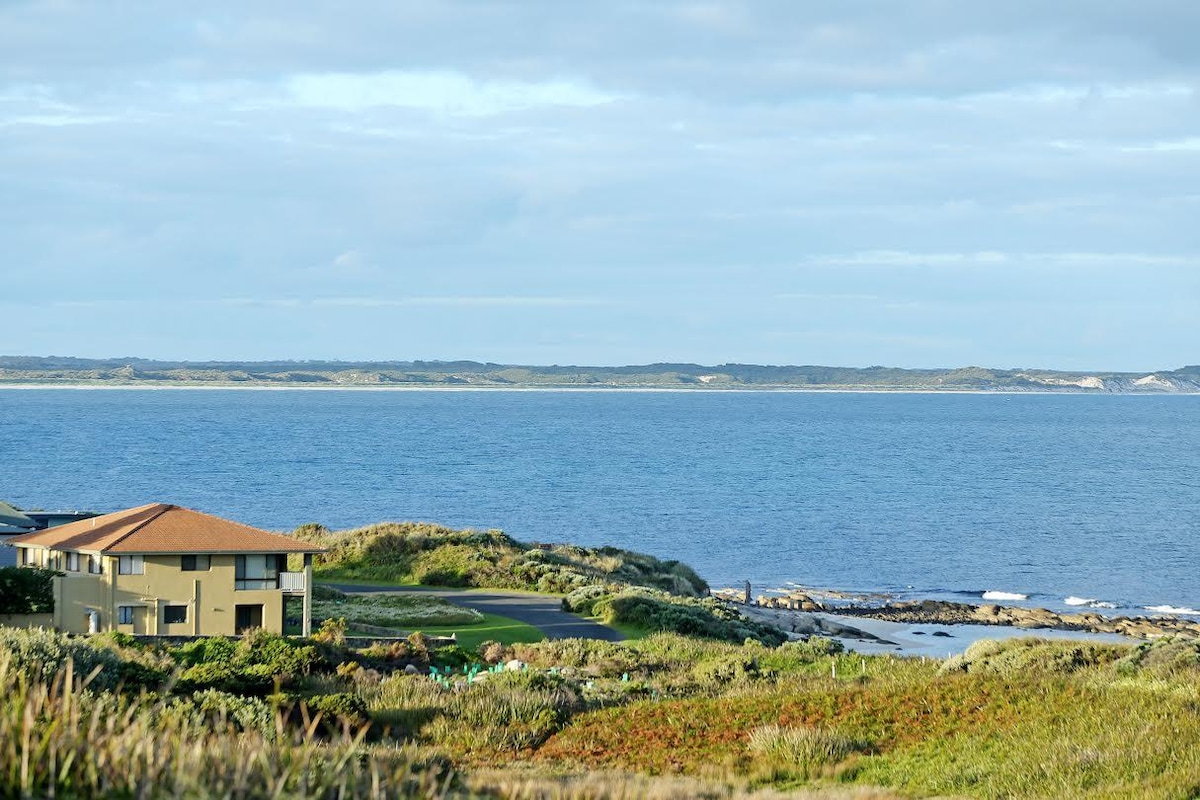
column 543, row 613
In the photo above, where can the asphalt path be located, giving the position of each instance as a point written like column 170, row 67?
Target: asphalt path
column 544, row 613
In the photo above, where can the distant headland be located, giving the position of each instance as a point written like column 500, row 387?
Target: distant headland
column 138, row 372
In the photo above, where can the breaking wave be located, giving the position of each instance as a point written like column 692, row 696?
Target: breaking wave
column 1004, row 596
column 1090, row 602
column 1173, row 610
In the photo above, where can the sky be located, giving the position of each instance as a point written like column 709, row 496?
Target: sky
column 932, row 183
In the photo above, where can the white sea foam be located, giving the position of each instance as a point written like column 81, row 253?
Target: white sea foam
column 1004, row 596
column 1173, row 610
column 1090, row 602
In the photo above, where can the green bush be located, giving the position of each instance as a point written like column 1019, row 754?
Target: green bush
column 1164, row 657
column 247, row 713
column 42, row 653
column 26, row 590
column 342, row 707
column 812, row 648
column 658, row 611
column 726, row 671
column 1014, row 658
column 252, row 665
column 592, row 656
column 228, row 678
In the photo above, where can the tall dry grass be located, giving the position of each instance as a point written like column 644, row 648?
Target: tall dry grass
column 60, row 739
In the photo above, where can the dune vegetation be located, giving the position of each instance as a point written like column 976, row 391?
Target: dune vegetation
column 421, row 553
column 664, row 716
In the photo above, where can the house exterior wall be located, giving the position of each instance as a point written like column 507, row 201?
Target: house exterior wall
column 209, row 597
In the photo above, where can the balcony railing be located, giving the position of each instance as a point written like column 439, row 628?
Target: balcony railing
column 286, row 581
column 291, row 581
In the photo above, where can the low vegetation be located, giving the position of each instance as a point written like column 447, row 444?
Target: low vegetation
column 26, row 590
column 665, row 716
column 631, row 591
column 398, row 611
column 654, row 610
column 419, row 553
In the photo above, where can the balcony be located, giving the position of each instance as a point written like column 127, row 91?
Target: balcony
column 291, row 582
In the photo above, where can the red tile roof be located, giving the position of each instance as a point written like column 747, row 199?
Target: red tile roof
column 163, row 528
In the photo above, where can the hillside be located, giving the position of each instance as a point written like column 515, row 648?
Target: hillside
column 68, row 371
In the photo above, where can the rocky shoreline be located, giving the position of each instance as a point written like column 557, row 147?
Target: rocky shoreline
column 941, row 612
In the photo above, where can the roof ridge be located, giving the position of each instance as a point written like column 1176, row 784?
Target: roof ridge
column 165, row 507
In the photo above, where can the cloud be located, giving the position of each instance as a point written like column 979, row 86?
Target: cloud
column 464, row 301
column 437, row 91
column 690, row 173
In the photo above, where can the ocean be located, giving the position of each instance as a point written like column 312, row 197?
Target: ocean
column 1056, row 500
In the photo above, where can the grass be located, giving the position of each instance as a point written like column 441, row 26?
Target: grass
column 662, row 716
column 402, row 611
column 434, row 555
column 493, row 627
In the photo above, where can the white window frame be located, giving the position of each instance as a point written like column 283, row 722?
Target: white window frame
column 131, row 565
column 125, row 615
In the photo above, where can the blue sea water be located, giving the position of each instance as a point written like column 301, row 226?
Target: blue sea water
column 1050, row 496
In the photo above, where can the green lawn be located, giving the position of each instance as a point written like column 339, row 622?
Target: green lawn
column 493, row 627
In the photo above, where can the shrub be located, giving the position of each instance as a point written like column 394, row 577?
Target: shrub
column 707, row 618
column 26, row 590
column 805, row 750
column 1029, row 656
column 247, row 713
column 492, row 652
column 227, row 678
column 332, row 631
column 342, row 707
column 812, row 648
column 1162, row 657
column 42, row 653
column 593, row 656
column 725, row 671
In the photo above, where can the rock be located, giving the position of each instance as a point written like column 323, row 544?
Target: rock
column 943, row 634
column 514, row 665
column 411, row 669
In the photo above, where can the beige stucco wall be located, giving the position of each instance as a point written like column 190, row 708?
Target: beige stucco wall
column 210, row 598
column 27, row 620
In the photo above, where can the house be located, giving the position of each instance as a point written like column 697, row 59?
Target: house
column 164, row 570
column 14, row 522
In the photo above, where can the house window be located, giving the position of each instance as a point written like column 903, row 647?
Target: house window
column 95, row 565
column 24, row 556
column 130, row 565
column 124, row 615
column 257, row 571
column 72, row 562
column 195, row 563
column 174, row 614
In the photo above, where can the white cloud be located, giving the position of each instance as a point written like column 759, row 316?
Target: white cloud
column 438, row 91
column 1189, row 145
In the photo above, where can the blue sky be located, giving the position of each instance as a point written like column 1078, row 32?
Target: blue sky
column 926, row 183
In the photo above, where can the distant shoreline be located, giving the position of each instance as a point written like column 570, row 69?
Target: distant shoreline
column 434, row 387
